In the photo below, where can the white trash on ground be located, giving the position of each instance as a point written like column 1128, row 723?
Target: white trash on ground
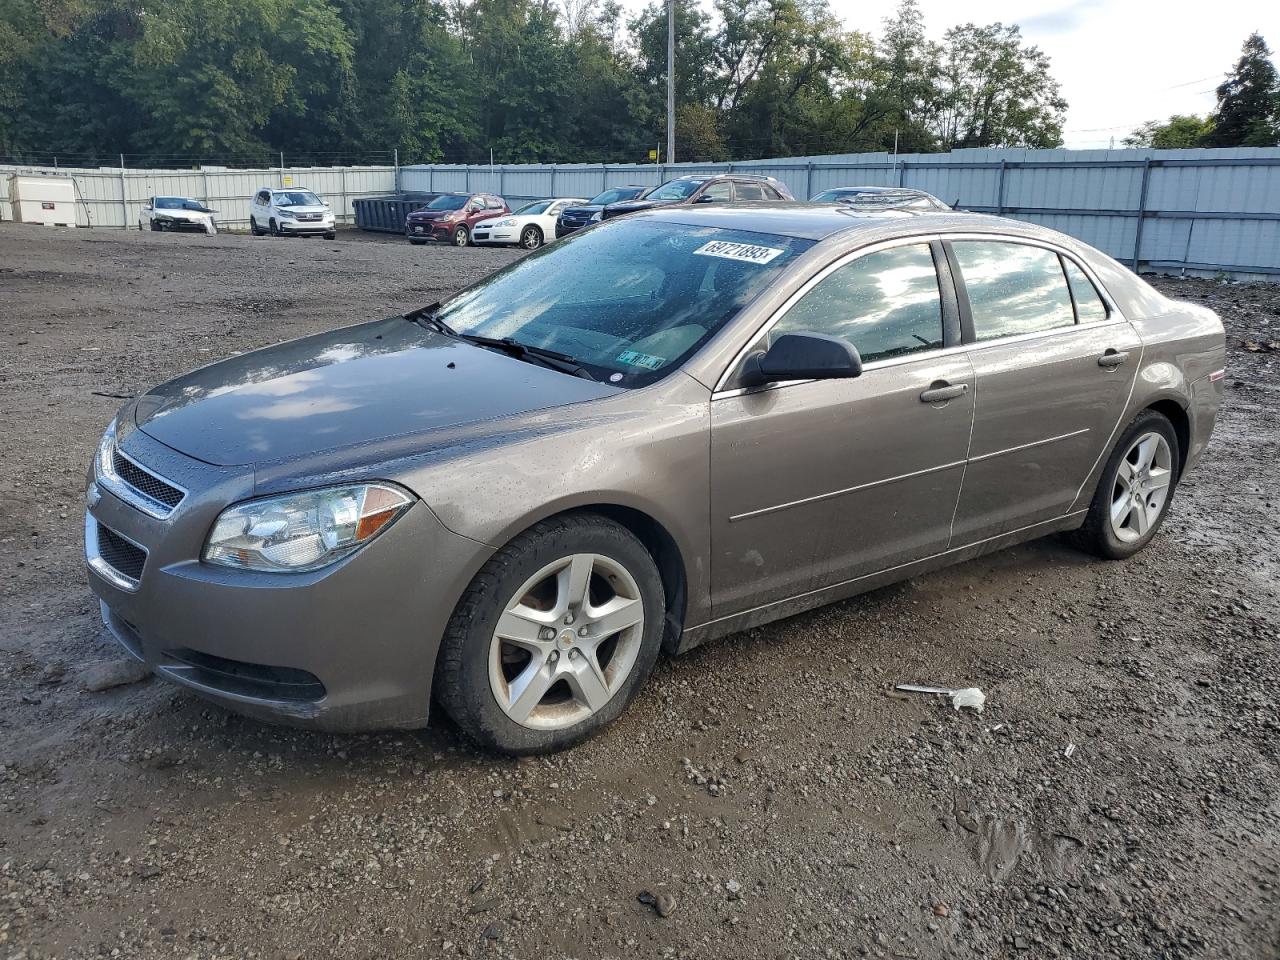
column 970, row 697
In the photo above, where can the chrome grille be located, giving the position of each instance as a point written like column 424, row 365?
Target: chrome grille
column 145, row 482
column 120, row 554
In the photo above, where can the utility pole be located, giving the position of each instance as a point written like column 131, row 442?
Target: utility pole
column 671, row 81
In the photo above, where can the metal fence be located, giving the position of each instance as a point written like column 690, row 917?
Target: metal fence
column 114, row 196
column 1198, row 211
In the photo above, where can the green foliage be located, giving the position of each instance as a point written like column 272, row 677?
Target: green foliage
column 451, row 80
column 1248, row 112
column 1179, row 132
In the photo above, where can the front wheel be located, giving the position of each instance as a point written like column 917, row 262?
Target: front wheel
column 274, row 227
column 531, row 238
column 331, row 235
column 1134, row 491
column 553, row 637
column 461, row 237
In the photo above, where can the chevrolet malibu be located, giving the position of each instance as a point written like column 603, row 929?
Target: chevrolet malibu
column 661, row 430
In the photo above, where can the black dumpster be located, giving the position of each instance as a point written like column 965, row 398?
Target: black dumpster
column 386, row 214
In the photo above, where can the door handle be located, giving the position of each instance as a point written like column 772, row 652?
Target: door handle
column 940, row 391
column 1112, row 358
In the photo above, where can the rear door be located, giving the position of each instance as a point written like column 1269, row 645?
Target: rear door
column 819, row 482
column 1055, row 364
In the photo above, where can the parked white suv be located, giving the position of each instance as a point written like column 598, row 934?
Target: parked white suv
column 290, row 211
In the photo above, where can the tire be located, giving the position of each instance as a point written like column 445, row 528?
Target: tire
column 477, row 673
column 1136, row 525
column 157, row 227
column 274, row 228
column 531, row 237
column 332, row 235
column 461, row 237
column 253, row 227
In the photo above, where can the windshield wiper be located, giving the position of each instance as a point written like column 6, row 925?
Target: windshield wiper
column 527, row 352
column 427, row 317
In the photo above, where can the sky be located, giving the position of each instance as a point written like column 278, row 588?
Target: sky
column 1119, row 63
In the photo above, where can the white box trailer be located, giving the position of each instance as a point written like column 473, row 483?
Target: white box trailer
column 47, row 200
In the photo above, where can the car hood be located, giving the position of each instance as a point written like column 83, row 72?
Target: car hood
column 300, row 208
column 432, row 214
column 182, row 214
column 358, row 385
column 631, row 206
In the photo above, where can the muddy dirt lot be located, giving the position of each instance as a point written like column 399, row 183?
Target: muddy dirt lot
column 768, row 783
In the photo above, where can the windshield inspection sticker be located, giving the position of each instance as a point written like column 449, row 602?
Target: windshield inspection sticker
column 638, row 359
column 738, row 251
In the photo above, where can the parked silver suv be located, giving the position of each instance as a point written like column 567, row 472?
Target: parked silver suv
column 290, row 211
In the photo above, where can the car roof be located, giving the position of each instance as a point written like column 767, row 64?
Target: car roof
column 817, row 221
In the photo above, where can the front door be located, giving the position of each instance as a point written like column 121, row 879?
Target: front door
column 815, row 483
column 1054, row 365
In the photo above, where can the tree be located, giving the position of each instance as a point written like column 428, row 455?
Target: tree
column 1178, row 132
column 1248, row 111
column 909, row 90
column 995, row 92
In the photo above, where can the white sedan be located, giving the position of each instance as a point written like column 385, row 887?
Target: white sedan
column 531, row 226
column 177, row 213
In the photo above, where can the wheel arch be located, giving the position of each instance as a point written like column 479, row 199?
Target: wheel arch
column 660, row 543
column 1176, row 414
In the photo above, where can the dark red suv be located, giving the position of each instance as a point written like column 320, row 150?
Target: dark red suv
column 451, row 216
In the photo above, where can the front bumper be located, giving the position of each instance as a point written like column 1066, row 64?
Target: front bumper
column 306, row 227
column 503, row 235
column 431, row 230
column 349, row 647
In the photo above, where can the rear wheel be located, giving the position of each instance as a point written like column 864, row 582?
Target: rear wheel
column 531, row 237
column 461, row 237
column 553, row 637
column 1134, row 491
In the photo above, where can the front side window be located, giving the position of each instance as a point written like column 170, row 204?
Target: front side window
column 886, row 304
column 721, row 190
column 1013, row 288
column 629, row 301
column 1089, row 305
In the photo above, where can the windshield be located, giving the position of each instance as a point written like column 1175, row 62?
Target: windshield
column 297, row 198
column 538, row 206
column 675, row 190
column 630, row 300
column 448, row 202
column 616, row 194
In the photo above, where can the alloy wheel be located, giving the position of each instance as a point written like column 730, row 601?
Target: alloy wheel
column 531, row 239
column 1141, row 489
column 460, row 237
column 566, row 641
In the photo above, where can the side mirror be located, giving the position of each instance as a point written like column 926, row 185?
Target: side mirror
column 705, row 198
column 803, row 356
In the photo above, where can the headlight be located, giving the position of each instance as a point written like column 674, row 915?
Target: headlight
column 509, row 222
column 596, row 217
column 288, row 214
column 104, row 462
column 303, row 531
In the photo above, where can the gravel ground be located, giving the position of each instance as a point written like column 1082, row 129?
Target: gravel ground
column 766, row 796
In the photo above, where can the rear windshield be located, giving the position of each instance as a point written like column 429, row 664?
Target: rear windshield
column 629, row 300
column 448, row 202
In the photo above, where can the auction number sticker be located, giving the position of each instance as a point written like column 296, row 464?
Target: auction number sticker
column 738, row 251
column 637, row 359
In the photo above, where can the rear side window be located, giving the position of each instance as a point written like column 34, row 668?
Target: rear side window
column 750, row 191
column 1089, row 305
column 886, row 304
column 1013, row 288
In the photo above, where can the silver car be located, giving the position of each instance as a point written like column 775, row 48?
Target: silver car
column 663, row 429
